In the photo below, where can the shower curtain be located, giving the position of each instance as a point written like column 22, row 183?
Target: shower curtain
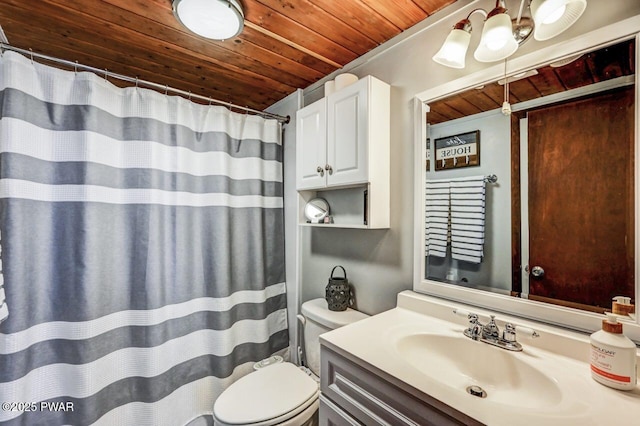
column 142, row 250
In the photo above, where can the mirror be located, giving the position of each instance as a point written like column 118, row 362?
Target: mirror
column 558, row 225
column 316, row 210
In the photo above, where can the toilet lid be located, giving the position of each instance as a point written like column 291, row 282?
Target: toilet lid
column 265, row 394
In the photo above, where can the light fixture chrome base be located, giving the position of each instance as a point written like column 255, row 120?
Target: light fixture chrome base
column 522, row 31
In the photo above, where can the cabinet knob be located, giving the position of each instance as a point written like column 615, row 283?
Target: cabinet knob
column 320, row 170
column 328, row 169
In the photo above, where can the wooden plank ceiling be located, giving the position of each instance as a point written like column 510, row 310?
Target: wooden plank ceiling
column 285, row 45
column 601, row 65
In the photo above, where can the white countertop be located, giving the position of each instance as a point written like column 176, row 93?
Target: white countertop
column 563, row 357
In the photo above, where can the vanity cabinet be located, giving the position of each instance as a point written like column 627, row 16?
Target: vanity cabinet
column 355, row 393
column 343, row 142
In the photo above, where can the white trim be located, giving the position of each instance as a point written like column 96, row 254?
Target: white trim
column 548, row 313
column 524, row 205
column 420, row 136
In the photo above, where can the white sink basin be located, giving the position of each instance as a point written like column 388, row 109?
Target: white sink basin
column 460, row 362
column 421, row 344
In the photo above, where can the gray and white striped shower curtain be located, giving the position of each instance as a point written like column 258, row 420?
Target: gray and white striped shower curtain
column 142, row 250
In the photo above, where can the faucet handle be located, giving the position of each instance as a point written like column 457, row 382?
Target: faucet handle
column 509, row 332
column 474, row 330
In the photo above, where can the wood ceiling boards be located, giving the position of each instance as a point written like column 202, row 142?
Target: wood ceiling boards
column 285, row 45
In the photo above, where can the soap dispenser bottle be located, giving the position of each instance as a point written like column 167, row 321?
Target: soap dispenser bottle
column 613, row 356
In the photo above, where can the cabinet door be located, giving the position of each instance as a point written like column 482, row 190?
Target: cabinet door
column 311, row 149
column 348, row 135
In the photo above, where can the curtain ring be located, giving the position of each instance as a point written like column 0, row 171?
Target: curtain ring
column 166, row 89
column 210, row 100
column 136, row 82
column 105, row 74
column 31, row 50
column 75, row 67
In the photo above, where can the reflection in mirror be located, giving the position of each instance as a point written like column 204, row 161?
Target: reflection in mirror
column 316, row 210
column 558, row 225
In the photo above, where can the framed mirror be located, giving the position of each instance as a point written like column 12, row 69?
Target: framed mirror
column 316, row 210
column 556, row 236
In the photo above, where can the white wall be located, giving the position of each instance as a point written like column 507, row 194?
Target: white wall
column 380, row 262
column 288, row 107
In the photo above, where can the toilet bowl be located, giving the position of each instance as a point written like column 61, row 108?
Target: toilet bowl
column 282, row 393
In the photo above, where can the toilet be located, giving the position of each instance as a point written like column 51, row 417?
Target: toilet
column 282, row 393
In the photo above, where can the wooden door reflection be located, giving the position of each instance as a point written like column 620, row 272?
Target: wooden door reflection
column 581, row 200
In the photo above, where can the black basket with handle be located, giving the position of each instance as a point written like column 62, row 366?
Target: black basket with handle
column 338, row 291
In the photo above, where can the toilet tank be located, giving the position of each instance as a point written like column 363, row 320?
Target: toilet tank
column 319, row 319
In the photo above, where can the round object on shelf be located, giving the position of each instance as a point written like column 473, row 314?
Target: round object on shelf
column 316, row 210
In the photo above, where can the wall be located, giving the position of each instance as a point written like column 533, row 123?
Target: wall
column 288, row 107
column 380, row 263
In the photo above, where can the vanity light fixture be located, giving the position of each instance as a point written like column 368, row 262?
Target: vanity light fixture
column 213, row 19
column 502, row 35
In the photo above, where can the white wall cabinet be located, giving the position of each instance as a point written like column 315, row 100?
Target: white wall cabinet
column 344, row 142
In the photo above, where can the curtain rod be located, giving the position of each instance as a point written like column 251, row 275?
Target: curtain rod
column 137, row 81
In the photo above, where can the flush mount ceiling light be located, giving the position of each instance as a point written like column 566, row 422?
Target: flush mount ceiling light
column 502, row 35
column 214, row 19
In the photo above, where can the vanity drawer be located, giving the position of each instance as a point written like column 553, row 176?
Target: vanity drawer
column 332, row 415
column 372, row 400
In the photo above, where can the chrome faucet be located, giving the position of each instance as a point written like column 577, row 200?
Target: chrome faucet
column 490, row 332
